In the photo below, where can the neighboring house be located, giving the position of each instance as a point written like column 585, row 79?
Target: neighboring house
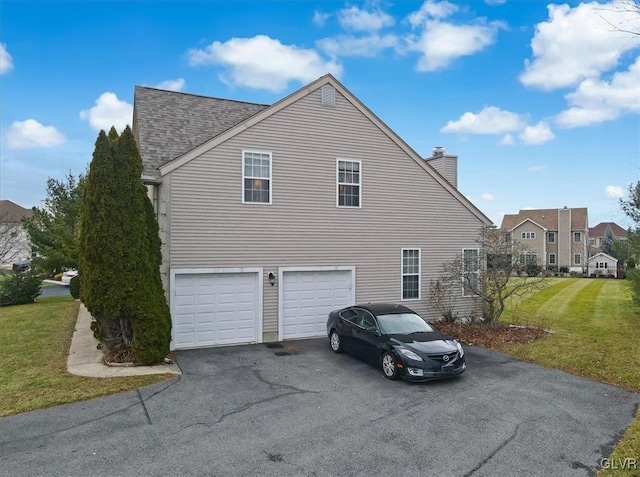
column 598, row 233
column 555, row 237
column 272, row 216
column 14, row 242
column 602, row 264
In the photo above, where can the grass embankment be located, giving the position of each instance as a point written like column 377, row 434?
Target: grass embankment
column 596, row 335
column 34, row 345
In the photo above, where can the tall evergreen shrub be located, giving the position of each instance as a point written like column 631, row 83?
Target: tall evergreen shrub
column 120, row 253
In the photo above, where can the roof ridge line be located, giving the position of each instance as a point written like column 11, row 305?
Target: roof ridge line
column 200, row 95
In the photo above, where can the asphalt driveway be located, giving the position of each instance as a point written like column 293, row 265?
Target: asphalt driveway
column 246, row 411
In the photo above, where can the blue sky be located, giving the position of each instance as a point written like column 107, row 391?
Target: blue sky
column 540, row 101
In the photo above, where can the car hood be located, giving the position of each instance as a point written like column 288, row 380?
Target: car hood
column 427, row 342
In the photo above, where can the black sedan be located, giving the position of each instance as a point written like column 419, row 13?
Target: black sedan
column 397, row 339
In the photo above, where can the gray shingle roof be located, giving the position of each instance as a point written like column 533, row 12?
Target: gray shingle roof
column 168, row 124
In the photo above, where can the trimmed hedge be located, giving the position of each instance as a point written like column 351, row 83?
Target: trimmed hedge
column 20, row 288
column 74, row 287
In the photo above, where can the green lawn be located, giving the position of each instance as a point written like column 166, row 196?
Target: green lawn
column 34, row 345
column 596, row 329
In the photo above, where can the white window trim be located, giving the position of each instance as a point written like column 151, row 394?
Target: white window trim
column 528, row 235
column 574, row 237
column 476, row 272
column 555, row 259
column 574, row 259
column 254, row 151
column 402, row 274
column 526, row 254
column 338, row 184
column 551, row 234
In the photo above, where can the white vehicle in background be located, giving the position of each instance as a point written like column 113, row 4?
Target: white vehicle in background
column 68, row 275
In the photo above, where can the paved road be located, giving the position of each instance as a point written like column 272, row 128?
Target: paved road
column 245, row 411
column 55, row 290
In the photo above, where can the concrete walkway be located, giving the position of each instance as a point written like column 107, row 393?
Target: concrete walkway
column 85, row 359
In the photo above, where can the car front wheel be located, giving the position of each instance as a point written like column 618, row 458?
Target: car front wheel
column 389, row 367
column 334, row 341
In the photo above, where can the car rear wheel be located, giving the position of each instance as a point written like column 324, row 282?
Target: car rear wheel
column 389, row 367
column 334, row 341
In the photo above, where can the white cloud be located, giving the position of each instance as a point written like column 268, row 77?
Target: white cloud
column 108, row 111
column 172, row 85
column 6, row 61
column 491, row 120
column 440, row 43
column 615, row 191
column 264, row 63
column 579, row 43
column 536, row 168
column 538, row 134
column 357, row 19
column 348, row 45
column 320, row 18
column 431, row 10
column 507, row 140
column 596, row 101
column 30, row 133
column 486, row 196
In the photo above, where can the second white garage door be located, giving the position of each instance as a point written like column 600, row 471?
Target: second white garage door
column 309, row 296
column 211, row 309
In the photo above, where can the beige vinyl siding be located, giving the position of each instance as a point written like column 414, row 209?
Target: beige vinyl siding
column 402, row 206
column 447, row 166
column 537, row 244
column 565, row 237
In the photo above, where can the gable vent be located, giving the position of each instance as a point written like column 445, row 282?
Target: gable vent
column 328, row 96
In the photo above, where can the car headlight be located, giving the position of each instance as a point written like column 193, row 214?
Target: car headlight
column 460, row 349
column 410, row 354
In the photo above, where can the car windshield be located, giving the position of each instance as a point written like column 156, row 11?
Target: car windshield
column 403, row 324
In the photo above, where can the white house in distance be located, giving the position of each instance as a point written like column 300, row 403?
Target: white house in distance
column 271, row 216
column 602, row 264
column 14, row 242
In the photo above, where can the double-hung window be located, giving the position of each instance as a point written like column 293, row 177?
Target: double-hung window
column 577, row 237
column 256, row 177
column 348, row 183
column 577, row 259
column 528, row 235
column 410, row 273
column 471, row 275
column 552, row 259
column 551, row 237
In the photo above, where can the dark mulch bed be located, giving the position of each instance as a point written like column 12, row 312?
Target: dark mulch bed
column 490, row 336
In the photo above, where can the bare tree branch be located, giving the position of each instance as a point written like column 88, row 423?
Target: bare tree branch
column 500, row 270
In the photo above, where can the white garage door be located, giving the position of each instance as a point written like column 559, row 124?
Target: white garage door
column 214, row 309
column 308, row 297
